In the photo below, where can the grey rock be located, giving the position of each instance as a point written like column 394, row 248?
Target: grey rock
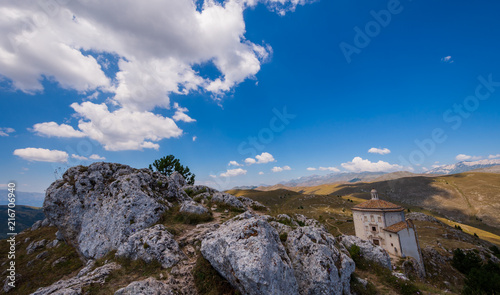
column 192, row 207
column 88, row 267
column 96, row 208
column 247, row 251
column 74, row 285
column 59, row 260
column 59, row 236
column 36, row 225
column 45, row 223
column 320, row 268
column 6, row 287
column 198, row 189
column 42, row 255
column 228, row 200
column 284, row 218
column 251, row 203
column 53, row 244
column 177, row 179
column 149, row 286
column 154, row 243
column 35, row 245
column 369, row 250
column 280, row 227
column 308, row 221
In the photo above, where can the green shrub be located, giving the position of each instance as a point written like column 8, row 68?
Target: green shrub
column 283, row 237
column 484, row 280
column 465, row 262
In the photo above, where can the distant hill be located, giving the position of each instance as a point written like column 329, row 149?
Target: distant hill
column 471, row 197
column 25, row 217
column 464, row 166
column 492, row 169
column 324, row 179
column 243, row 187
column 23, row 198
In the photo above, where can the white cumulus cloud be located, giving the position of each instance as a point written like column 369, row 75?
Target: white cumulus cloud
column 261, row 173
column 264, row 158
column 96, row 157
column 158, row 47
column 233, row 172
column 124, row 129
column 180, row 114
column 52, row 129
column 233, row 163
column 280, row 169
column 260, row 159
column 360, row 165
column 383, row 151
column 494, row 156
column 463, row 157
column 311, row 169
column 42, row 155
column 250, row 161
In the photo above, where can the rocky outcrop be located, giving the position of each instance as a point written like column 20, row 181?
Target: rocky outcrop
column 252, row 204
column 149, row 286
column 227, row 199
column 192, row 207
column 302, row 220
column 320, row 268
column 369, row 251
column 421, row 217
column 35, row 245
column 280, row 227
column 247, row 251
column 154, row 243
column 74, row 285
column 96, row 208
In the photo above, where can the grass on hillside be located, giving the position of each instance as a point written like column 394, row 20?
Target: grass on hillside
column 41, row 272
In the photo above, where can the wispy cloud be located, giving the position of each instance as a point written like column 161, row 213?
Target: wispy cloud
column 494, row 156
column 280, row 169
column 334, row 169
column 463, row 157
column 6, row 131
column 447, row 59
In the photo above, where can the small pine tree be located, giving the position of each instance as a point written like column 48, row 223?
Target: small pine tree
column 167, row 165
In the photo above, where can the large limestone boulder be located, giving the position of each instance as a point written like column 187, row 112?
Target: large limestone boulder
column 320, row 267
column 247, row 251
column 192, row 207
column 149, row 286
column 369, row 250
column 74, row 285
column 228, row 200
column 154, row 243
column 96, row 208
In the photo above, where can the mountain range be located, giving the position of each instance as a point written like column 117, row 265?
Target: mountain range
column 23, row 198
column 464, row 166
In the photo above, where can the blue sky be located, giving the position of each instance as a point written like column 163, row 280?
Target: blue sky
column 290, row 84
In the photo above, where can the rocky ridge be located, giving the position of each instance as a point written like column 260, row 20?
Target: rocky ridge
column 111, row 207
